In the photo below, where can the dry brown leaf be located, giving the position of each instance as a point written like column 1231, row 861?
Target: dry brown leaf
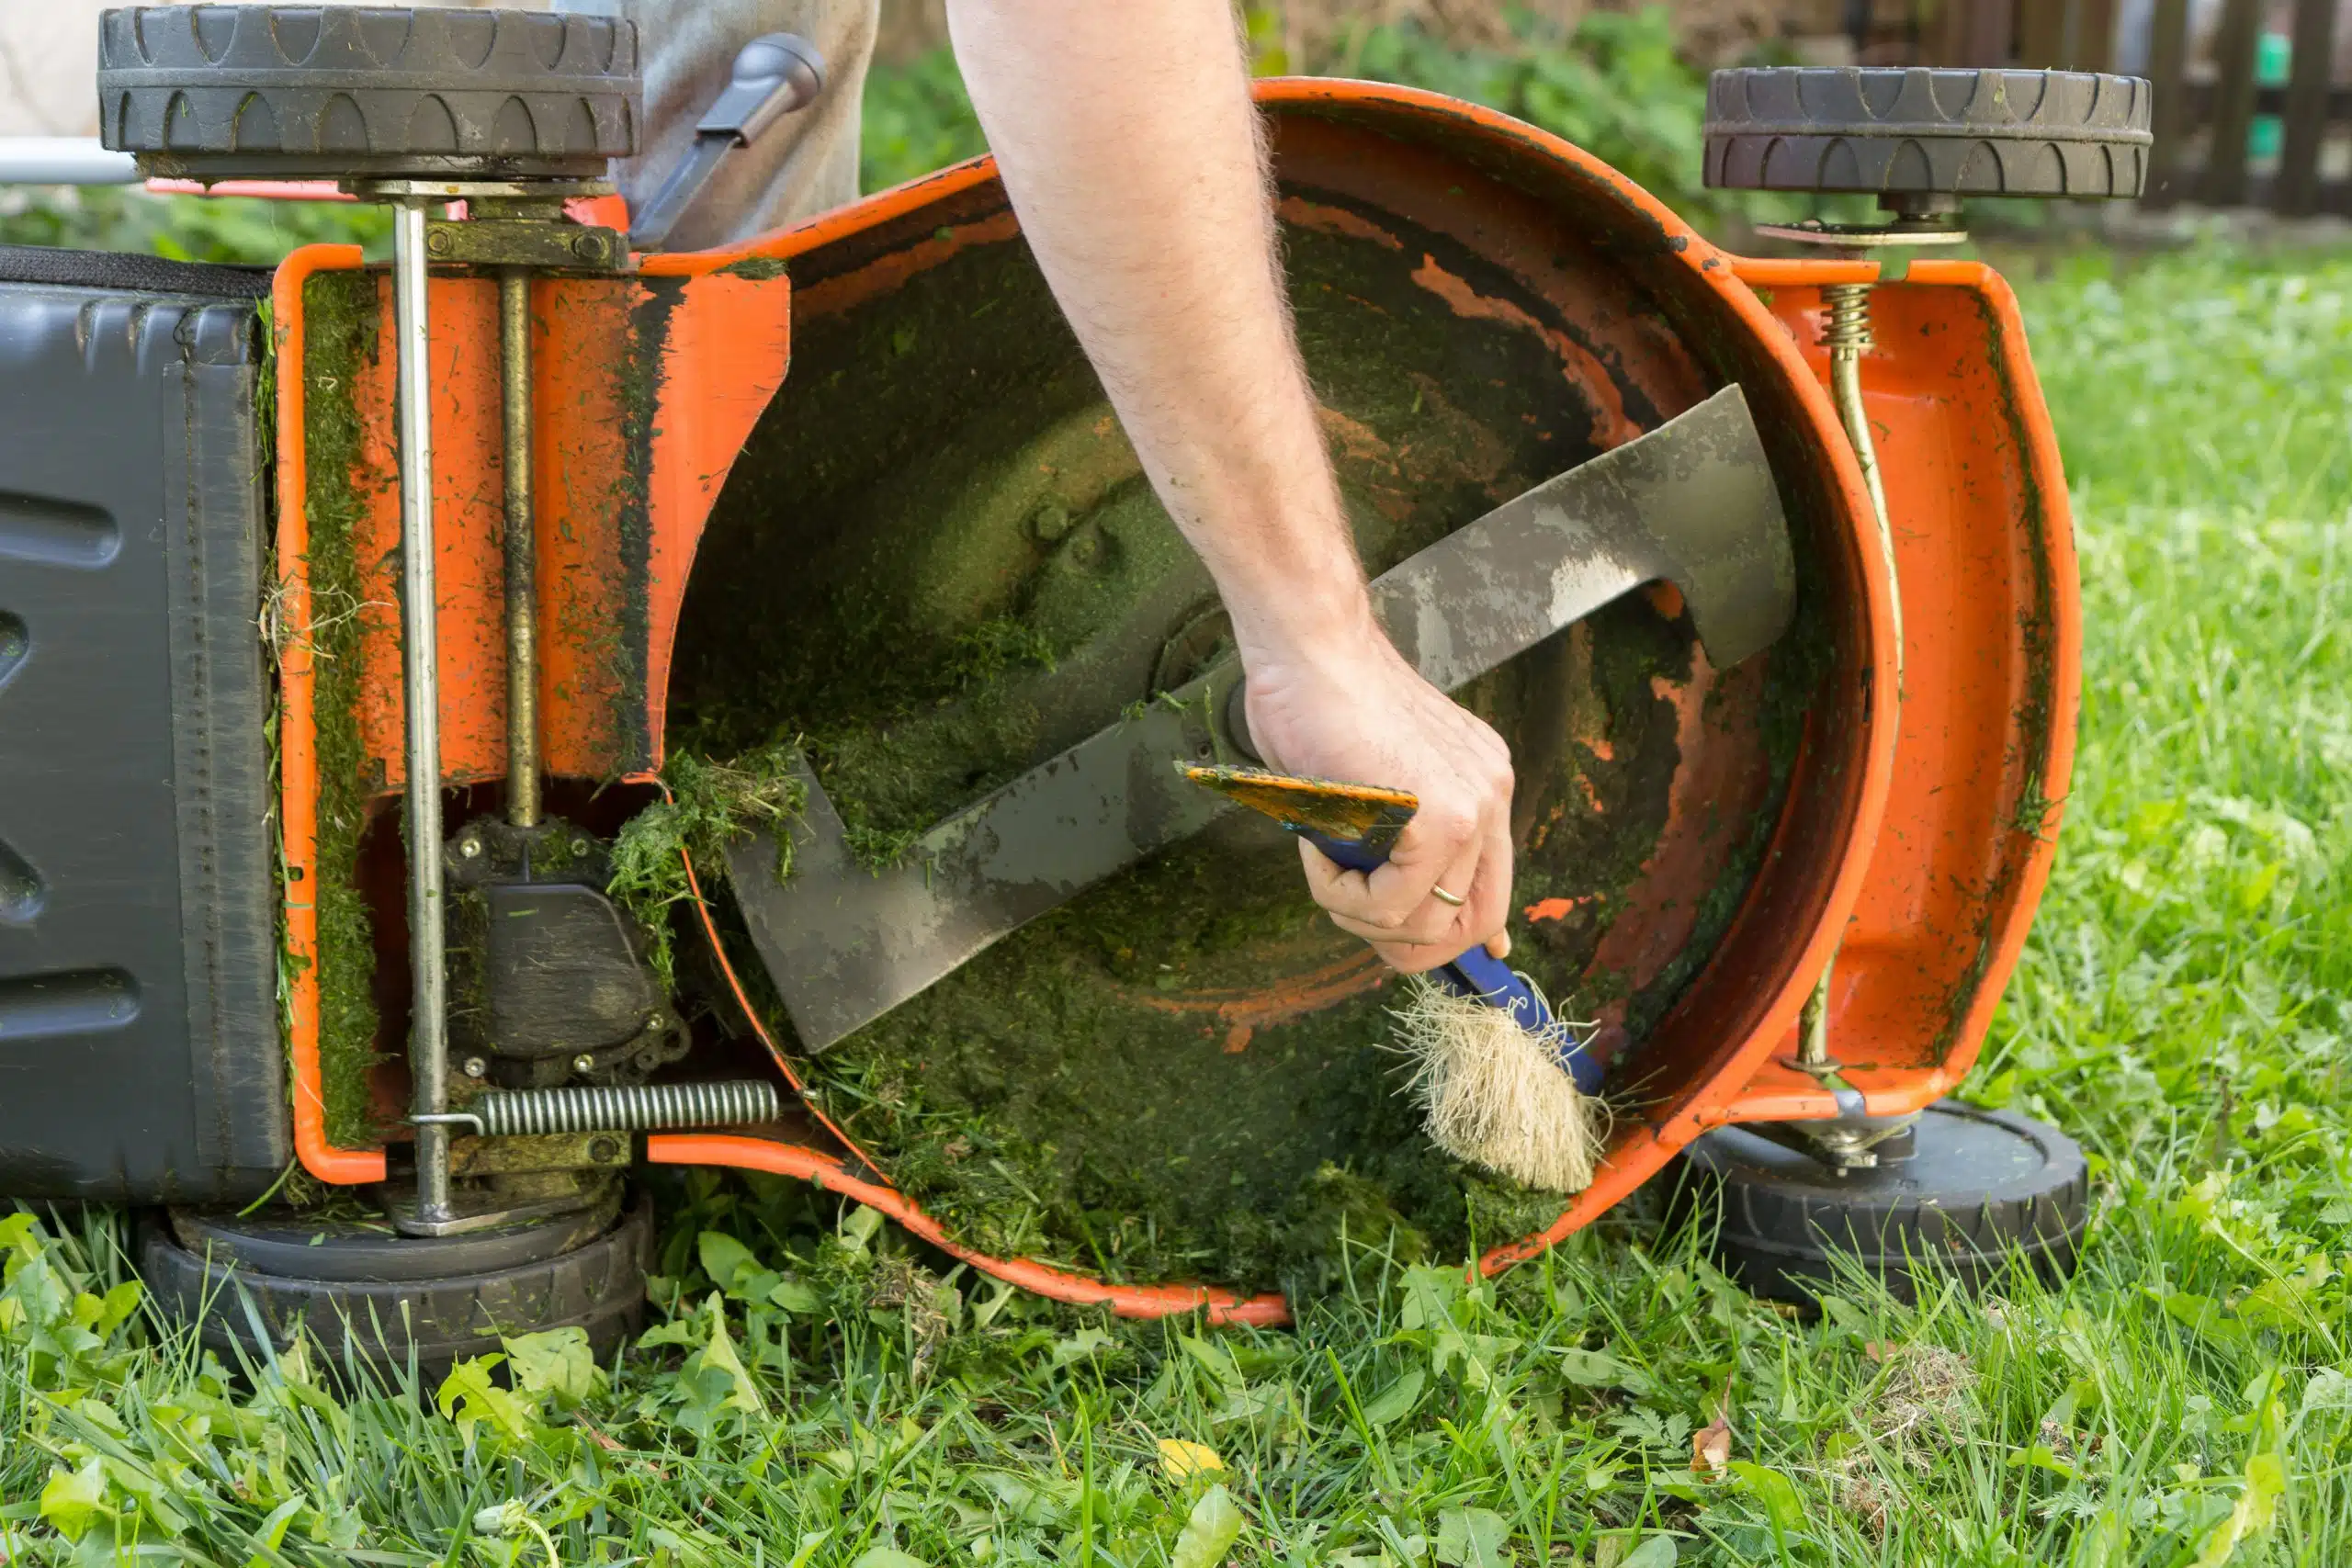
column 1711, row 1447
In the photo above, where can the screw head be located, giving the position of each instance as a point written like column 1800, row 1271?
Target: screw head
column 588, row 247
column 437, row 240
column 581, row 846
column 474, row 1066
column 605, row 1151
column 470, row 846
column 584, row 1062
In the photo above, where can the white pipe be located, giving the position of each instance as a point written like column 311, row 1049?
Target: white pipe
column 62, row 161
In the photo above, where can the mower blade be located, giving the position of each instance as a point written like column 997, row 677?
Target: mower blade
column 1692, row 502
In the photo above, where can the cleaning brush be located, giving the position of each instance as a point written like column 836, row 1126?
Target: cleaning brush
column 1504, row 1082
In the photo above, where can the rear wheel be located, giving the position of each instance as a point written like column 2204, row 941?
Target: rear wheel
column 273, row 91
column 355, row 1288
column 1978, row 1191
column 1915, row 132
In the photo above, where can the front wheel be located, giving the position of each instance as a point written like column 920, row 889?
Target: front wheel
column 360, row 1292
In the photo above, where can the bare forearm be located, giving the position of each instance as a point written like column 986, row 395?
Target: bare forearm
column 1126, row 138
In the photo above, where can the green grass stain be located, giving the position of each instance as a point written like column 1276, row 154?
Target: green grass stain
column 341, row 315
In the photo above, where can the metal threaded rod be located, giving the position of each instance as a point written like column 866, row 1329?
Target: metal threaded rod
column 621, row 1108
column 522, row 590
column 1847, row 335
column 428, row 1054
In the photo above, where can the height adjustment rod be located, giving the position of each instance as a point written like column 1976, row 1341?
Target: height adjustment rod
column 776, row 74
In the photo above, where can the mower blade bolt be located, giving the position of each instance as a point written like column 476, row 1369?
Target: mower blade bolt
column 475, row 1066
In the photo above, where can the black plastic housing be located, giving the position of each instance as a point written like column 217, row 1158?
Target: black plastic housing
column 140, row 1055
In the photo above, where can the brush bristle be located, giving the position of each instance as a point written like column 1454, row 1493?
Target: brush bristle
column 1496, row 1095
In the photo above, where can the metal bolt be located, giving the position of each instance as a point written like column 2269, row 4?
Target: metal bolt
column 470, row 846
column 579, row 846
column 437, row 241
column 474, row 1066
column 588, row 247
column 605, row 1151
column 584, row 1062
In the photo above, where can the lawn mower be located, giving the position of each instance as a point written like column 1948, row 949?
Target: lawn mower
column 751, row 701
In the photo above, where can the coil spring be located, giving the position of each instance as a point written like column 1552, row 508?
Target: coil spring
column 1849, row 325
column 626, row 1108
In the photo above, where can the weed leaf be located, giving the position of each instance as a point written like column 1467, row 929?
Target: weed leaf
column 1209, row 1533
column 1396, row 1401
column 1472, row 1538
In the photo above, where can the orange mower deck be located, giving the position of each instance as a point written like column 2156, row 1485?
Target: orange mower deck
column 1918, row 824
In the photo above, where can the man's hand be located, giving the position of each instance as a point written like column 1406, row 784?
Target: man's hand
column 1126, row 138
column 1347, row 706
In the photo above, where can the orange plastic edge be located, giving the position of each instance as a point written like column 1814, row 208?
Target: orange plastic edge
column 1802, row 272
column 2048, row 472
column 298, row 793
column 1054, row 1285
column 1778, row 1094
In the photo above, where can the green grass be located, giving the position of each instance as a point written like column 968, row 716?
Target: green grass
column 815, row 1395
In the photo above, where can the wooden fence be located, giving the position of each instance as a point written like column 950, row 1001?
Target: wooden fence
column 2204, row 123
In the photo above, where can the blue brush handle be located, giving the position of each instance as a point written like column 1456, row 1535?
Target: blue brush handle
column 1477, row 974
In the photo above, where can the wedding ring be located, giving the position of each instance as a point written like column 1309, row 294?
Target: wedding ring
column 1442, row 897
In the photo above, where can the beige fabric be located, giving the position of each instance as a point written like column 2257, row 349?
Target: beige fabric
column 804, row 165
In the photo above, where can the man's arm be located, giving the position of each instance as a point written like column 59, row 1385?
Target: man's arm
column 1132, row 152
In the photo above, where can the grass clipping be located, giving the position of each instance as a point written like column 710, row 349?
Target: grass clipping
column 1495, row 1094
column 709, row 803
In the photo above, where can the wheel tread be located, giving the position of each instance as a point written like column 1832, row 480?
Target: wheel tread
column 181, row 80
column 599, row 1286
column 1777, row 1229
column 1926, row 131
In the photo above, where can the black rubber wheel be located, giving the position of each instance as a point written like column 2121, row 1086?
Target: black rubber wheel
column 1981, row 1189
column 1918, row 131
column 383, row 92
column 597, row 1283
column 289, row 1243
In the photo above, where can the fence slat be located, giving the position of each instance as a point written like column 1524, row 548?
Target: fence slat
column 2042, row 33
column 2167, row 78
column 2233, row 47
column 2066, row 35
column 2090, row 39
column 1976, row 32
column 2307, row 107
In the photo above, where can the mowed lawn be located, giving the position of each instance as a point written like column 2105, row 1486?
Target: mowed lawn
column 816, row 1396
